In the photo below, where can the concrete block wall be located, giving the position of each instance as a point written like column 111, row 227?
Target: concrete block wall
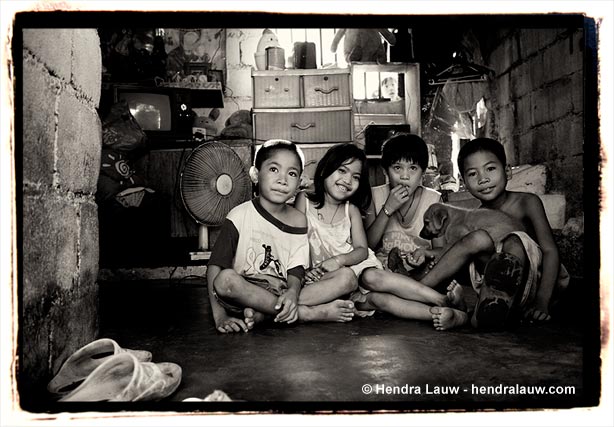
column 61, row 160
column 538, row 104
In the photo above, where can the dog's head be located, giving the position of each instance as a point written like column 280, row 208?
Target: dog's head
column 435, row 219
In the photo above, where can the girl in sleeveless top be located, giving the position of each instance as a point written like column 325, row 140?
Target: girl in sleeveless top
column 337, row 240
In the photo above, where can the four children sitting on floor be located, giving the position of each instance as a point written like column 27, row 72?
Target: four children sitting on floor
column 346, row 249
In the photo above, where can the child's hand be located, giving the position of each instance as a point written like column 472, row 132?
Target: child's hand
column 417, row 257
column 287, row 303
column 229, row 324
column 398, row 195
column 331, row 264
column 314, row 274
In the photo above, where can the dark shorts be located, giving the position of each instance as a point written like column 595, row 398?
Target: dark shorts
column 274, row 285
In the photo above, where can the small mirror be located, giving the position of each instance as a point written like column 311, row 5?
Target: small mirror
column 379, row 92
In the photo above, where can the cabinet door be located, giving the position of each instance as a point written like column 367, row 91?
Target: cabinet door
column 304, row 126
column 276, row 91
column 327, row 90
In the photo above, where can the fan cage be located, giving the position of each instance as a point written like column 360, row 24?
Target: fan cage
column 207, row 166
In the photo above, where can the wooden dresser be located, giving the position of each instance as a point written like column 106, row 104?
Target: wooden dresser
column 312, row 108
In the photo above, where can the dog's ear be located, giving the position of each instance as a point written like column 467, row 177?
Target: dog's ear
column 440, row 215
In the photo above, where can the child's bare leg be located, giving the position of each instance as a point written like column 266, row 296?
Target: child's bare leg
column 377, row 280
column 232, row 286
column 396, row 306
column 334, row 311
column 332, row 285
column 445, row 318
column 473, row 244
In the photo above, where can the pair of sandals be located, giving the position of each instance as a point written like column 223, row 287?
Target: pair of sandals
column 104, row 371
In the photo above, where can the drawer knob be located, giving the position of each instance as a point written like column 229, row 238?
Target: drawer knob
column 303, row 127
column 326, row 91
column 272, row 88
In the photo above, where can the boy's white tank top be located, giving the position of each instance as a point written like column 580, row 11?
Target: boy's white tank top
column 406, row 238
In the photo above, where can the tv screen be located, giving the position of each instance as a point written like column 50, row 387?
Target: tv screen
column 164, row 113
column 152, row 111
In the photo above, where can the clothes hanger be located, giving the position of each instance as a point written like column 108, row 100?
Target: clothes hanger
column 462, row 71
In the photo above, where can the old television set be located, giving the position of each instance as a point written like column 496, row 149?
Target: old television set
column 164, row 113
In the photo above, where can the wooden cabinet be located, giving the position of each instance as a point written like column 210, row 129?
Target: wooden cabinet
column 312, row 108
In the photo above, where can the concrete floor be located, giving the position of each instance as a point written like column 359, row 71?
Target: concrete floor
column 324, row 366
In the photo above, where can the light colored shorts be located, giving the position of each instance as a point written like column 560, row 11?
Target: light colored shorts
column 360, row 295
column 371, row 261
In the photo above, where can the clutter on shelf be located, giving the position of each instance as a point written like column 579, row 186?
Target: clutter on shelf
column 269, row 54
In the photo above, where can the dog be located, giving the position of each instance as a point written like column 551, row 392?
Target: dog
column 452, row 223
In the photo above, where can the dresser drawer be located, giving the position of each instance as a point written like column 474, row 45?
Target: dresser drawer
column 313, row 153
column 304, row 126
column 326, row 90
column 277, row 92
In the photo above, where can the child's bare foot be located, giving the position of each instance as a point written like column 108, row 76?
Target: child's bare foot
column 335, row 311
column 252, row 317
column 455, row 296
column 445, row 318
column 364, row 306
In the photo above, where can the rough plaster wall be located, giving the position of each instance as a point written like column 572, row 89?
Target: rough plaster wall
column 538, row 104
column 61, row 161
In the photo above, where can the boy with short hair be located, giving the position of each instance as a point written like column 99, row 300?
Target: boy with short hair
column 258, row 263
column 518, row 273
column 393, row 224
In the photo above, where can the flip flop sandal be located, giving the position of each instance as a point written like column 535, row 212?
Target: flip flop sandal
column 123, row 378
column 502, row 279
column 83, row 362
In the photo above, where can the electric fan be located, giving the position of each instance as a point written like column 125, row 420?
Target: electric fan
column 212, row 182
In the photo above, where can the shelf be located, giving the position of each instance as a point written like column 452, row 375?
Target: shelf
column 302, row 110
column 300, row 72
column 202, row 94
